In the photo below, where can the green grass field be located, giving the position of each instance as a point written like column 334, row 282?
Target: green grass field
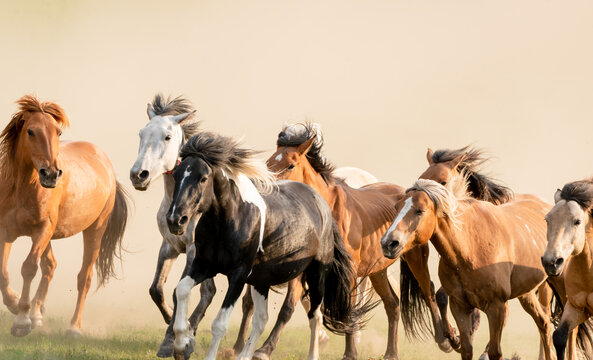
column 121, row 342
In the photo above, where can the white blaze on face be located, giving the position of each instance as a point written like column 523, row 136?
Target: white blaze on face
column 279, row 157
column 250, row 194
column 407, row 206
column 186, row 173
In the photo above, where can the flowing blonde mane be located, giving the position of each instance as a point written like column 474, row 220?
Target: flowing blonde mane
column 10, row 135
column 227, row 154
column 444, row 199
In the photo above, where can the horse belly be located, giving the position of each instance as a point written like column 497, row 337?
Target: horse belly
column 275, row 272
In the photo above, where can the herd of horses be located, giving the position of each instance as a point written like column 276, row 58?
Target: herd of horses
column 295, row 219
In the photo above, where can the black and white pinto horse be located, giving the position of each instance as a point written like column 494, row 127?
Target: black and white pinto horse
column 257, row 232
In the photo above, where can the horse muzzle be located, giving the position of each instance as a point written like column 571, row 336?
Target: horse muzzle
column 391, row 246
column 177, row 224
column 553, row 265
column 140, row 179
column 48, row 178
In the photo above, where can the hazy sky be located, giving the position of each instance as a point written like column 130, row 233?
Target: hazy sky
column 386, row 79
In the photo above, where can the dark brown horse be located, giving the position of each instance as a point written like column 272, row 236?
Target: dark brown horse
column 52, row 190
column 363, row 215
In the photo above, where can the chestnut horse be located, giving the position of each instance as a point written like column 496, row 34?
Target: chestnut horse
column 570, row 237
column 362, row 215
column 52, row 190
column 448, row 167
column 479, row 243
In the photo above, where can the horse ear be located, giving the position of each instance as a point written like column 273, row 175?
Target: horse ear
column 150, row 112
column 557, row 196
column 457, row 161
column 429, row 155
column 179, row 119
column 304, row 147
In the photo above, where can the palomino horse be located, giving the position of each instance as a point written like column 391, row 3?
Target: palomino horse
column 479, row 243
column 256, row 232
column 362, row 215
column 570, row 237
column 52, row 190
column 171, row 124
column 465, row 165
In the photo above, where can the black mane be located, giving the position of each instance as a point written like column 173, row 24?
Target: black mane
column 319, row 163
column 580, row 191
column 480, row 186
column 177, row 106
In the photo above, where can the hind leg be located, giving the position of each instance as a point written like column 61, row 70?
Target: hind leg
column 316, row 283
column 48, row 266
column 462, row 313
column 531, row 305
column 260, row 318
column 418, row 263
column 391, row 303
column 167, row 256
column 293, row 294
column 497, row 313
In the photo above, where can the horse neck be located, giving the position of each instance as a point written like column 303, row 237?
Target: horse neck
column 169, row 184
column 316, row 181
column 584, row 260
column 21, row 178
column 225, row 202
column 451, row 243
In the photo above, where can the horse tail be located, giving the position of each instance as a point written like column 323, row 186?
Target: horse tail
column 414, row 311
column 584, row 330
column 111, row 242
column 341, row 314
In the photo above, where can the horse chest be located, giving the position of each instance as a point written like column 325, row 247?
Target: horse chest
column 178, row 242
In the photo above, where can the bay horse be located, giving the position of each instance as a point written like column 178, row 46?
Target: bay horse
column 171, row 123
column 479, row 243
column 363, row 215
column 570, row 253
column 51, row 190
column 258, row 232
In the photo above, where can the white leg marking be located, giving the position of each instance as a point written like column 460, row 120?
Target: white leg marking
column 315, row 324
column 260, row 318
column 219, row 328
column 400, row 216
column 181, row 325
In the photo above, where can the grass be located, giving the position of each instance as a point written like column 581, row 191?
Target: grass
column 124, row 342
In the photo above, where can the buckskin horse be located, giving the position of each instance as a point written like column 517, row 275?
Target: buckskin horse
column 52, row 190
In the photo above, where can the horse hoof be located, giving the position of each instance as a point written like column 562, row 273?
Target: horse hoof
column 20, row 330
column 261, row 356
column 445, row 346
column 13, row 307
column 484, row 356
column 166, row 348
column 186, row 353
column 73, row 333
column 36, row 323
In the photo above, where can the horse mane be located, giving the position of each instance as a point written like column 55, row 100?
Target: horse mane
column 480, row 186
column 579, row 191
column 227, row 154
column 296, row 134
column 177, row 106
column 443, row 198
column 10, row 134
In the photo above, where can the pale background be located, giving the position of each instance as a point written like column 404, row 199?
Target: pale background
column 386, row 79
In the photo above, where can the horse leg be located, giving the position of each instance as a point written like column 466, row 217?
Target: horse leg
column 293, row 294
column 391, row 303
column 544, row 296
column 91, row 247
column 497, row 313
column 48, row 266
column 572, row 317
column 418, row 263
column 40, row 239
column 247, row 312
column 167, row 256
column 260, row 318
column 462, row 313
column 316, row 283
column 9, row 297
column 531, row 305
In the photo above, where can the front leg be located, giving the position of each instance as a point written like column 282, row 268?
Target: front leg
column 260, row 318
column 462, row 313
column 167, row 256
column 572, row 317
column 9, row 297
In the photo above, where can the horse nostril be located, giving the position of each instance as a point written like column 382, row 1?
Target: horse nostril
column 183, row 220
column 559, row 261
column 43, row 172
column 143, row 175
column 394, row 244
column 60, row 172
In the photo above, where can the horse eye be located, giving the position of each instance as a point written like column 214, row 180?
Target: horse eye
column 419, row 212
column 443, row 183
column 59, row 133
column 577, row 222
column 29, row 132
column 290, row 167
column 203, row 180
column 168, row 137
